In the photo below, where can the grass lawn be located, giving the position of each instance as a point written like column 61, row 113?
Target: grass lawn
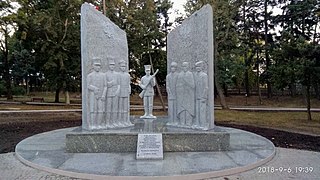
column 290, row 121
column 7, row 107
column 276, row 101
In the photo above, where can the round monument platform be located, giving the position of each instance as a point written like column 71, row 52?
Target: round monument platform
column 47, row 151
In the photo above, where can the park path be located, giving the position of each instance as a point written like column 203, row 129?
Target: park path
column 12, row 168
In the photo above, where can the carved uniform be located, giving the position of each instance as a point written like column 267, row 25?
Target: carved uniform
column 185, row 98
column 125, row 91
column 201, row 80
column 171, row 81
column 147, row 83
column 96, row 89
column 112, row 97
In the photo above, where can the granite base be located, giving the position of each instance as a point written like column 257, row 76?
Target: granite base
column 124, row 140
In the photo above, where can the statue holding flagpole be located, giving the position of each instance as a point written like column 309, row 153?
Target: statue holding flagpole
column 147, row 83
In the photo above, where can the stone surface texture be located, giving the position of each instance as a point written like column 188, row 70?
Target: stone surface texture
column 103, row 43
column 189, row 43
column 125, row 140
column 46, row 151
column 12, row 168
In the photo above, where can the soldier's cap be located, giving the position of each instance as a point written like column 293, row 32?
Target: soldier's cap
column 122, row 63
column 111, row 62
column 147, row 67
column 174, row 64
column 199, row 63
column 96, row 61
column 185, row 64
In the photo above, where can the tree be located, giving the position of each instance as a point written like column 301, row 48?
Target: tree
column 6, row 22
column 226, row 39
column 53, row 27
column 146, row 23
column 297, row 50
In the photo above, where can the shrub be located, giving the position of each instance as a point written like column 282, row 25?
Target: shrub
column 18, row 90
column 2, row 88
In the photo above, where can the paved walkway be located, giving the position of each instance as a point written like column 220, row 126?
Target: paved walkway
column 11, row 168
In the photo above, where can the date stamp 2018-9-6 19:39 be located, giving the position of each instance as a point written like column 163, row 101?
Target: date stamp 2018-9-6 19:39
column 296, row 169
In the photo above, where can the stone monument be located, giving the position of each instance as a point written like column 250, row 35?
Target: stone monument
column 106, row 90
column 190, row 52
column 103, row 47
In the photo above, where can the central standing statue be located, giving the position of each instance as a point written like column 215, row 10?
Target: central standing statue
column 147, row 83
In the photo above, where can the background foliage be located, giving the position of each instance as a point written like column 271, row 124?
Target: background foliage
column 266, row 48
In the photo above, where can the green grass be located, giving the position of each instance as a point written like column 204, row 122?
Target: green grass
column 48, row 97
column 7, row 107
column 277, row 101
column 291, row 121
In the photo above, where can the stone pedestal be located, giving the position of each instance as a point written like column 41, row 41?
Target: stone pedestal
column 125, row 140
column 148, row 124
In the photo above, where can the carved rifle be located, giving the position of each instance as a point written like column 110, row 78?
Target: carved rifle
column 144, row 91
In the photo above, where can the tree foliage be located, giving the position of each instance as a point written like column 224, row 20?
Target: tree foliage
column 48, row 42
column 256, row 46
column 272, row 43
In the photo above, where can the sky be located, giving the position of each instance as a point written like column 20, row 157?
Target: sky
column 177, row 6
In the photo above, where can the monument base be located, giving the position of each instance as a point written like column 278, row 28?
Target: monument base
column 125, row 140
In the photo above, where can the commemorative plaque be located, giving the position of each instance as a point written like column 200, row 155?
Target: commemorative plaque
column 149, row 146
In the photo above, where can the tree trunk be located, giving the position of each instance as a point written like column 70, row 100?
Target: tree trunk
column 7, row 76
column 27, row 85
column 216, row 78
column 215, row 91
column 56, row 98
column 316, row 89
column 246, row 80
column 67, row 97
column 246, row 74
column 308, row 102
column 223, row 102
column 269, row 90
column 258, row 79
column 307, row 89
column 225, row 89
column 293, row 89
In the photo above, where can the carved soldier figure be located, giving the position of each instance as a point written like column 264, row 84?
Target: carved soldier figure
column 201, row 80
column 96, row 93
column 185, row 96
column 171, row 82
column 124, row 95
column 147, row 83
column 112, row 95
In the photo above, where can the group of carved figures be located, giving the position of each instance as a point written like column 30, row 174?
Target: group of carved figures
column 108, row 95
column 187, row 96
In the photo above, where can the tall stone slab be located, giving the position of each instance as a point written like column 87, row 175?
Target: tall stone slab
column 190, row 78
column 103, row 44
